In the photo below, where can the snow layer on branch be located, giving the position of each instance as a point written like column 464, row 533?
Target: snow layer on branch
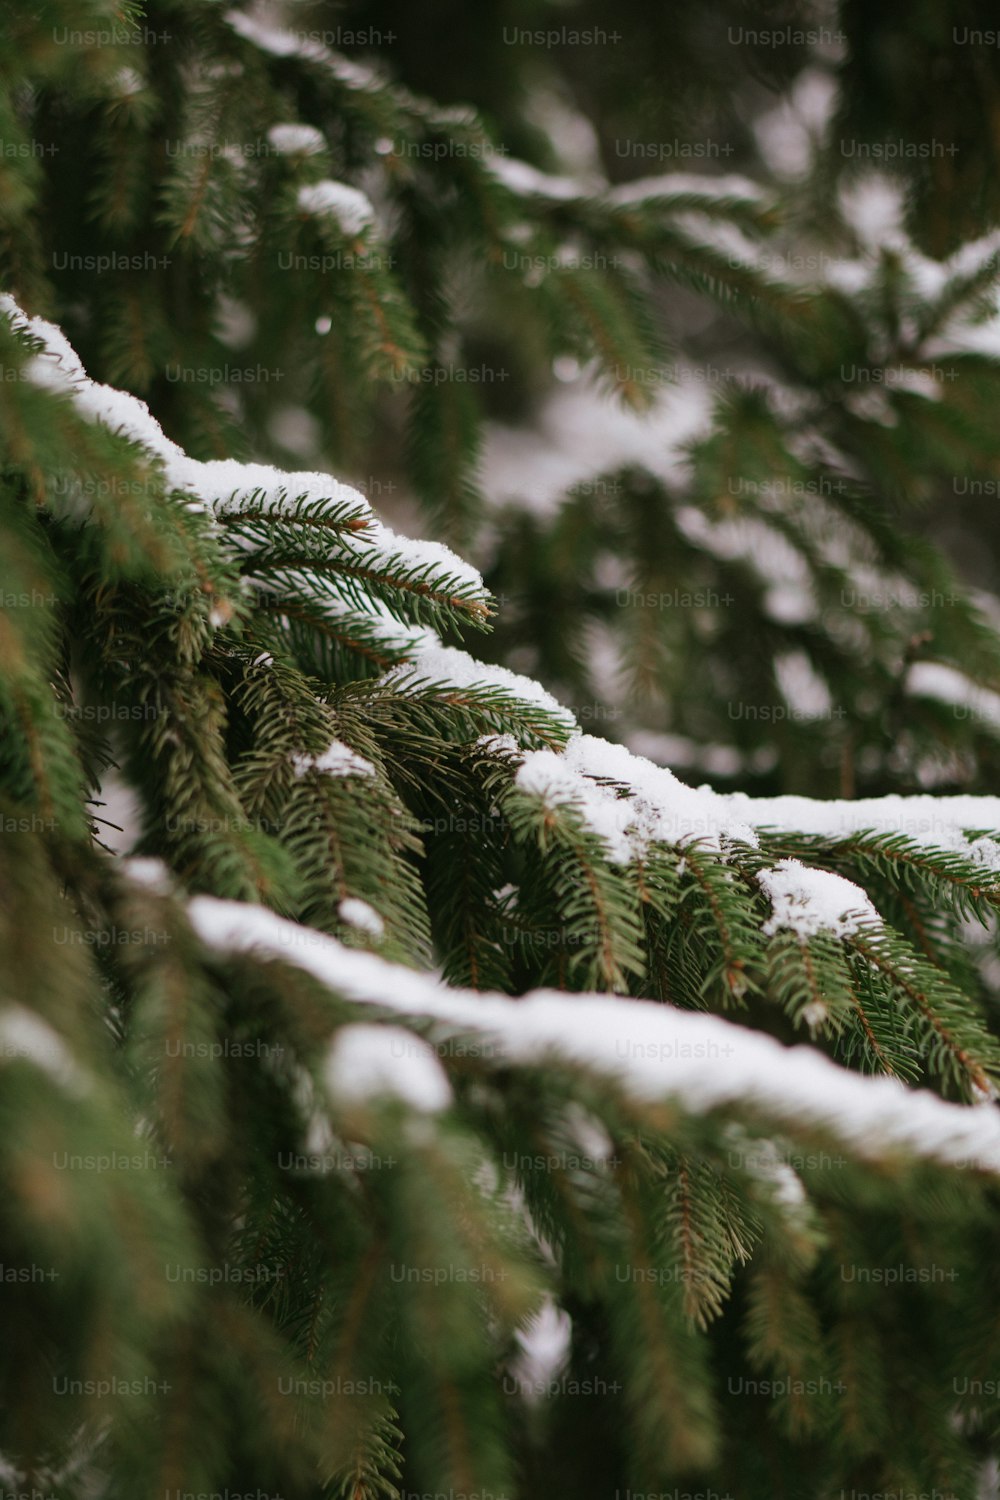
column 296, row 140
column 544, row 1342
column 873, row 205
column 667, row 809
column 233, row 487
column 228, row 486
column 807, row 901
column 151, row 874
column 788, row 134
column 337, row 200
column 358, row 914
column 453, row 668
column 379, row 621
column 654, row 1052
column 273, row 39
column 278, row 42
column 224, row 484
column 522, row 178
column 371, row 547
column 337, row 760
column 387, row 544
column 552, row 779
column 657, row 806
column 687, row 184
column 370, row 1062
column 932, row 822
column 527, row 181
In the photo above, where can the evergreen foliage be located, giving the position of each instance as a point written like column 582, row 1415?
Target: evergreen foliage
column 424, row 1096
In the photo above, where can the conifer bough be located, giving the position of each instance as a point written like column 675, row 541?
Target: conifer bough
column 320, row 1197
column 433, row 1098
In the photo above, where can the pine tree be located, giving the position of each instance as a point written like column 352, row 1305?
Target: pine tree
column 420, row 1094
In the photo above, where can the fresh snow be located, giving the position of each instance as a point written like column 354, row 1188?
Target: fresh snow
column 781, row 567
column 453, row 668
column 119, row 810
column 788, row 134
column 656, row 805
column 807, row 901
column 652, row 1051
column 233, row 487
column 731, row 188
column 544, row 1347
column 528, row 182
column 229, row 487
column 931, row 822
column 371, row 1062
column 224, row 484
column 378, row 621
column 552, row 779
column 152, row 874
column 358, row 914
column 296, row 140
column 336, row 200
column 379, row 543
column 278, row 42
column 337, row 759
column 273, row 39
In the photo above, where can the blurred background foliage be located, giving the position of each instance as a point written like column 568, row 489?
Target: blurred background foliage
column 691, row 443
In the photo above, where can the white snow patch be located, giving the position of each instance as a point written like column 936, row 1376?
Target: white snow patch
column 764, row 1159
column 357, row 913
column 152, row 874
column 874, row 207
column 224, row 484
column 802, row 688
column 380, row 623
column 687, row 184
column 368, row 1062
column 296, row 140
column 656, row 805
column 336, row 200
column 379, row 543
column 337, row 759
column 544, row 1349
column 932, row 822
column 121, row 812
column 554, row 781
column 453, row 668
column 527, row 181
column 808, row 901
column 281, row 43
column 789, row 134
column 652, row 1051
